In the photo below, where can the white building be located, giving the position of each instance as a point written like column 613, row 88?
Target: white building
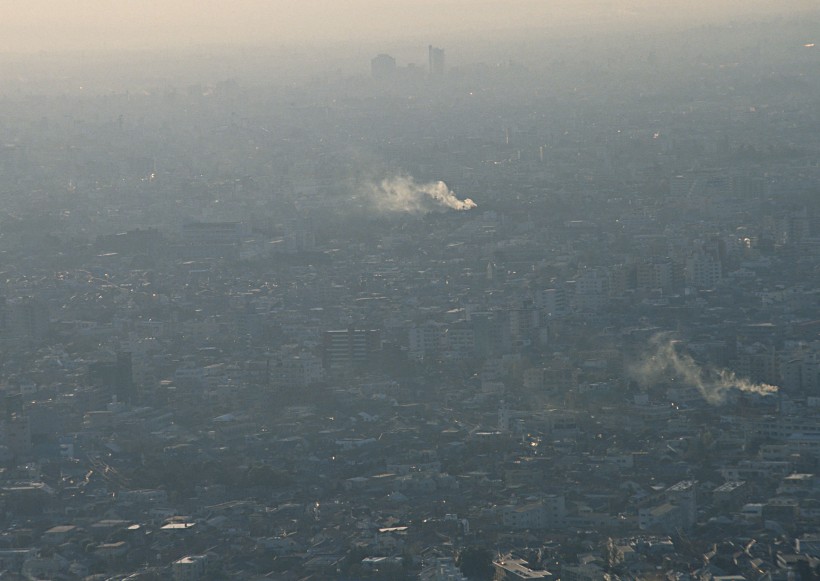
column 190, row 568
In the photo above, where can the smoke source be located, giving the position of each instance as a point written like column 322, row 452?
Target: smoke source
column 403, row 194
column 714, row 384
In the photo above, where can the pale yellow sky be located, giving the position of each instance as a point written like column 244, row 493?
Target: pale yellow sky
column 51, row 25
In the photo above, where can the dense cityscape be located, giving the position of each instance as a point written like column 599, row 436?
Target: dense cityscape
column 545, row 318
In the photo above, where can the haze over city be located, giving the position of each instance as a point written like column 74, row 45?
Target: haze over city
column 99, row 25
column 447, row 291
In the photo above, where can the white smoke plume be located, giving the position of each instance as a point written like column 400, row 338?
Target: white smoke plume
column 403, row 194
column 665, row 362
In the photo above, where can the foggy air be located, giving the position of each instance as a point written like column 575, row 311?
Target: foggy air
column 410, row 290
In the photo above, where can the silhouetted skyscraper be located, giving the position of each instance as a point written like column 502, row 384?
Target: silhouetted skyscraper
column 435, row 58
column 382, row 66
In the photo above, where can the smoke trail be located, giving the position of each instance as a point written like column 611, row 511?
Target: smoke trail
column 403, row 194
column 713, row 384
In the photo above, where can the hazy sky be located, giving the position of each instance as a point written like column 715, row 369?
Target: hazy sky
column 35, row 25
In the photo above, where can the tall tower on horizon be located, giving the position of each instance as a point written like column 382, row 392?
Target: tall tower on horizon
column 435, row 58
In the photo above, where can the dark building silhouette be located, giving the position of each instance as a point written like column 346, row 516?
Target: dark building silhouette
column 23, row 321
column 349, row 348
column 211, row 240
column 115, row 376
column 382, row 66
column 435, row 57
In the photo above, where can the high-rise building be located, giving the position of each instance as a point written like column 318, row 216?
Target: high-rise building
column 703, row 269
column 116, row 376
column 350, row 348
column 382, row 66
column 23, row 320
column 435, row 57
column 16, row 434
column 426, row 339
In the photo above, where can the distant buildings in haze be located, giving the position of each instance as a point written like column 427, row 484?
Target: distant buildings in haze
column 383, row 66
